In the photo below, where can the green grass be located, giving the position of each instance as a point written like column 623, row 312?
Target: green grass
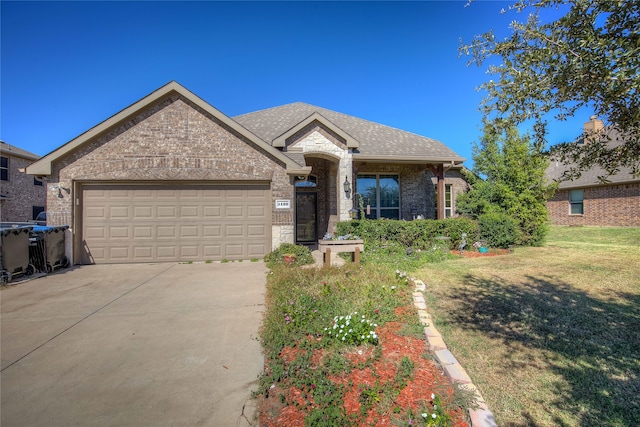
column 550, row 335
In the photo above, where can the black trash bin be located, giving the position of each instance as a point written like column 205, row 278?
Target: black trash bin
column 47, row 247
column 14, row 253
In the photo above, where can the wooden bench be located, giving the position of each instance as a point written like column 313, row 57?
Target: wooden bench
column 337, row 246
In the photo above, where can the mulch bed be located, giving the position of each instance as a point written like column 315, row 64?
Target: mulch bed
column 286, row 407
column 476, row 254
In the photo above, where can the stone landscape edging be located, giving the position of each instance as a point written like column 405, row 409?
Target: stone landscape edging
column 480, row 417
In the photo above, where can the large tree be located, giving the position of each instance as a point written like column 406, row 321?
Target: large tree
column 509, row 178
column 589, row 56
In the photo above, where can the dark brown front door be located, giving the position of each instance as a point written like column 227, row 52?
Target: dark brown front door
column 306, row 214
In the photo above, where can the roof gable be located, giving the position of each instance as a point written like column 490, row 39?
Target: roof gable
column 44, row 165
column 280, row 141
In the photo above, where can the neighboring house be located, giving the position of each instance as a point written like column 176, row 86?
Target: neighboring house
column 587, row 201
column 22, row 197
column 172, row 178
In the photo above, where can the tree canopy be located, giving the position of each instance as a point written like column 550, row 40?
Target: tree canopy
column 514, row 182
column 587, row 57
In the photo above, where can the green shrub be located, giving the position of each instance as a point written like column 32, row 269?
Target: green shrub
column 276, row 257
column 419, row 234
column 498, row 230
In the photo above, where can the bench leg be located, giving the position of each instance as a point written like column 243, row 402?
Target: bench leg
column 355, row 257
column 327, row 258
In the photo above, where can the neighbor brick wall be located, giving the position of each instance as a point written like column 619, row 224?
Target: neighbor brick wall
column 608, row 205
column 23, row 194
column 172, row 140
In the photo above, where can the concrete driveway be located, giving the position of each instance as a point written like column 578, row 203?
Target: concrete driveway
column 133, row 345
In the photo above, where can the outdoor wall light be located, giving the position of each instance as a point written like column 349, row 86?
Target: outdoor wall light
column 347, row 186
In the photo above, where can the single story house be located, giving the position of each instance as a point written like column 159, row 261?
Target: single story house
column 22, row 197
column 171, row 178
column 587, row 200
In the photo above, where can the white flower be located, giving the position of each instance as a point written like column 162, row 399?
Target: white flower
column 433, row 396
column 433, row 415
column 435, row 407
column 425, row 415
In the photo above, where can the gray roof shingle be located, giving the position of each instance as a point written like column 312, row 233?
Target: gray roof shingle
column 15, row 151
column 589, row 178
column 376, row 140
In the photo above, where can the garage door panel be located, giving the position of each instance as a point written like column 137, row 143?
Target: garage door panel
column 119, row 232
column 143, row 212
column 189, row 231
column 166, row 252
column 143, row 253
column 145, row 223
column 142, row 232
column 234, row 211
column 119, row 253
column 167, row 212
column 212, row 251
column 95, row 212
column 210, row 231
column 190, row 212
column 256, row 250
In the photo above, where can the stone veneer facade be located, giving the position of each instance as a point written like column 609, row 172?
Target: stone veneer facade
column 606, row 205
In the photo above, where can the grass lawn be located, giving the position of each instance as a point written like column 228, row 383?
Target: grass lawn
column 550, row 335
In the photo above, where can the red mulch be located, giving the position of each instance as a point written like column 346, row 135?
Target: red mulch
column 427, row 378
column 476, row 254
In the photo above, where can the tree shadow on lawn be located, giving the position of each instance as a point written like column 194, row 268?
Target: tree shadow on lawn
column 593, row 344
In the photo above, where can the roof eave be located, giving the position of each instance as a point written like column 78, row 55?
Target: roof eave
column 409, row 159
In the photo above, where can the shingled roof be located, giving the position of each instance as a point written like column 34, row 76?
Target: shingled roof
column 12, row 150
column 590, row 178
column 375, row 141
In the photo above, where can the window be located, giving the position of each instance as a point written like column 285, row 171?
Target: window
column 576, row 201
column 4, row 168
column 448, row 201
column 380, row 195
column 37, row 182
column 37, row 210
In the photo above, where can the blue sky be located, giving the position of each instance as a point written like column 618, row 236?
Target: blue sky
column 67, row 66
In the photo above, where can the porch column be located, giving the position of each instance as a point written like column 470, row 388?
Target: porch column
column 438, row 171
column 345, row 171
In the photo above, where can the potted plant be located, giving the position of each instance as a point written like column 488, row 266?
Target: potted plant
column 481, row 247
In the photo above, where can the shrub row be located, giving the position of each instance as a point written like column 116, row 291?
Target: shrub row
column 419, row 234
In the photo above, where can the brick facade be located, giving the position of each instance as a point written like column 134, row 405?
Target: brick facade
column 171, row 137
column 171, row 141
column 417, row 187
column 606, row 205
column 20, row 191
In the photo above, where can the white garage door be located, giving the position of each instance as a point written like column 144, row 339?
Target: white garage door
column 151, row 223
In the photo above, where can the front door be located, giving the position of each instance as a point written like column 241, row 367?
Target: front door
column 306, row 213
